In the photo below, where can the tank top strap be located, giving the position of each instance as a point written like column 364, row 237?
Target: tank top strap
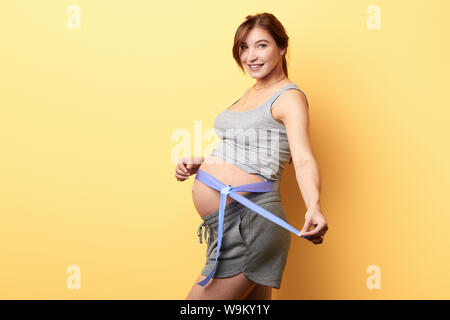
column 271, row 101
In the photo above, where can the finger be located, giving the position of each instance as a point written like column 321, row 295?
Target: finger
column 313, row 234
column 181, row 164
column 181, row 175
column 181, row 179
column 317, row 231
column 181, row 172
column 182, row 167
column 305, row 228
column 310, row 233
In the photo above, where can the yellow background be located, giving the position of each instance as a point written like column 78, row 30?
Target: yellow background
column 86, row 118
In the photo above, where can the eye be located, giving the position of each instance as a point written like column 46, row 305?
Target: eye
column 261, row 44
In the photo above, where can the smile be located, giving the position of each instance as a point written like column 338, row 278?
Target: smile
column 255, row 66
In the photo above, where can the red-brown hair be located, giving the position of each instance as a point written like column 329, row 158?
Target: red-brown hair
column 268, row 22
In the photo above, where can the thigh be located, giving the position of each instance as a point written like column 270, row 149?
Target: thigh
column 233, row 288
column 260, row 292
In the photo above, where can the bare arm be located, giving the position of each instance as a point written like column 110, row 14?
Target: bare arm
column 308, row 180
column 293, row 111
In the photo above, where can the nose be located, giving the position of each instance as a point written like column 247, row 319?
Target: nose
column 251, row 56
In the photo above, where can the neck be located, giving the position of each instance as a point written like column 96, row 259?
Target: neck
column 276, row 74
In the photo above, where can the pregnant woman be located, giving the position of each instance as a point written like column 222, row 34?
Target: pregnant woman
column 265, row 128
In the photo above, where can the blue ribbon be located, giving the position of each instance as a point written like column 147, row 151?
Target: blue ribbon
column 228, row 190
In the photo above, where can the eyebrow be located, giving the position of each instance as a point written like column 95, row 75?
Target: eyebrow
column 256, row 41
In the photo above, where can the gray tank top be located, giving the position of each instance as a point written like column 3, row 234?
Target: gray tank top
column 253, row 140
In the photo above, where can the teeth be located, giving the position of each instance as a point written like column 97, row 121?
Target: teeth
column 255, row 65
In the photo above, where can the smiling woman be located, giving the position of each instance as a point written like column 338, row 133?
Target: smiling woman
column 276, row 38
column 253, row 148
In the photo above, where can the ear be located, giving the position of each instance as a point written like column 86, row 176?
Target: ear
column 283, row 51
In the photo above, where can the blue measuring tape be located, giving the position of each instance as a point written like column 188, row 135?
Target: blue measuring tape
column 228, row 190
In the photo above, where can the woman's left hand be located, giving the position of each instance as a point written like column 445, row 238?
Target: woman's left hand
column 314, row 218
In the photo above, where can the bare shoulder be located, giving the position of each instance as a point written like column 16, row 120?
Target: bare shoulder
column 290, row 103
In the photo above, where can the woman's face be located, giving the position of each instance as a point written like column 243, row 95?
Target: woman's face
column 258, row 47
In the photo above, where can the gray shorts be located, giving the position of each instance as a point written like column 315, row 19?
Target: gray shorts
column 251, row 243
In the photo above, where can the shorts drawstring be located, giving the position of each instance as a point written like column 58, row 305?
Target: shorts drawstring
column 200, row 230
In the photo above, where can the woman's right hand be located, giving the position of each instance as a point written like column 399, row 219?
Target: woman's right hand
column 186, row 167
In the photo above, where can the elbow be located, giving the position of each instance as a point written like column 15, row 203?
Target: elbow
column 303, row 162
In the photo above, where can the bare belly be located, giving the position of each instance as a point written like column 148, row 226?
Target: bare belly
column 206, row 199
